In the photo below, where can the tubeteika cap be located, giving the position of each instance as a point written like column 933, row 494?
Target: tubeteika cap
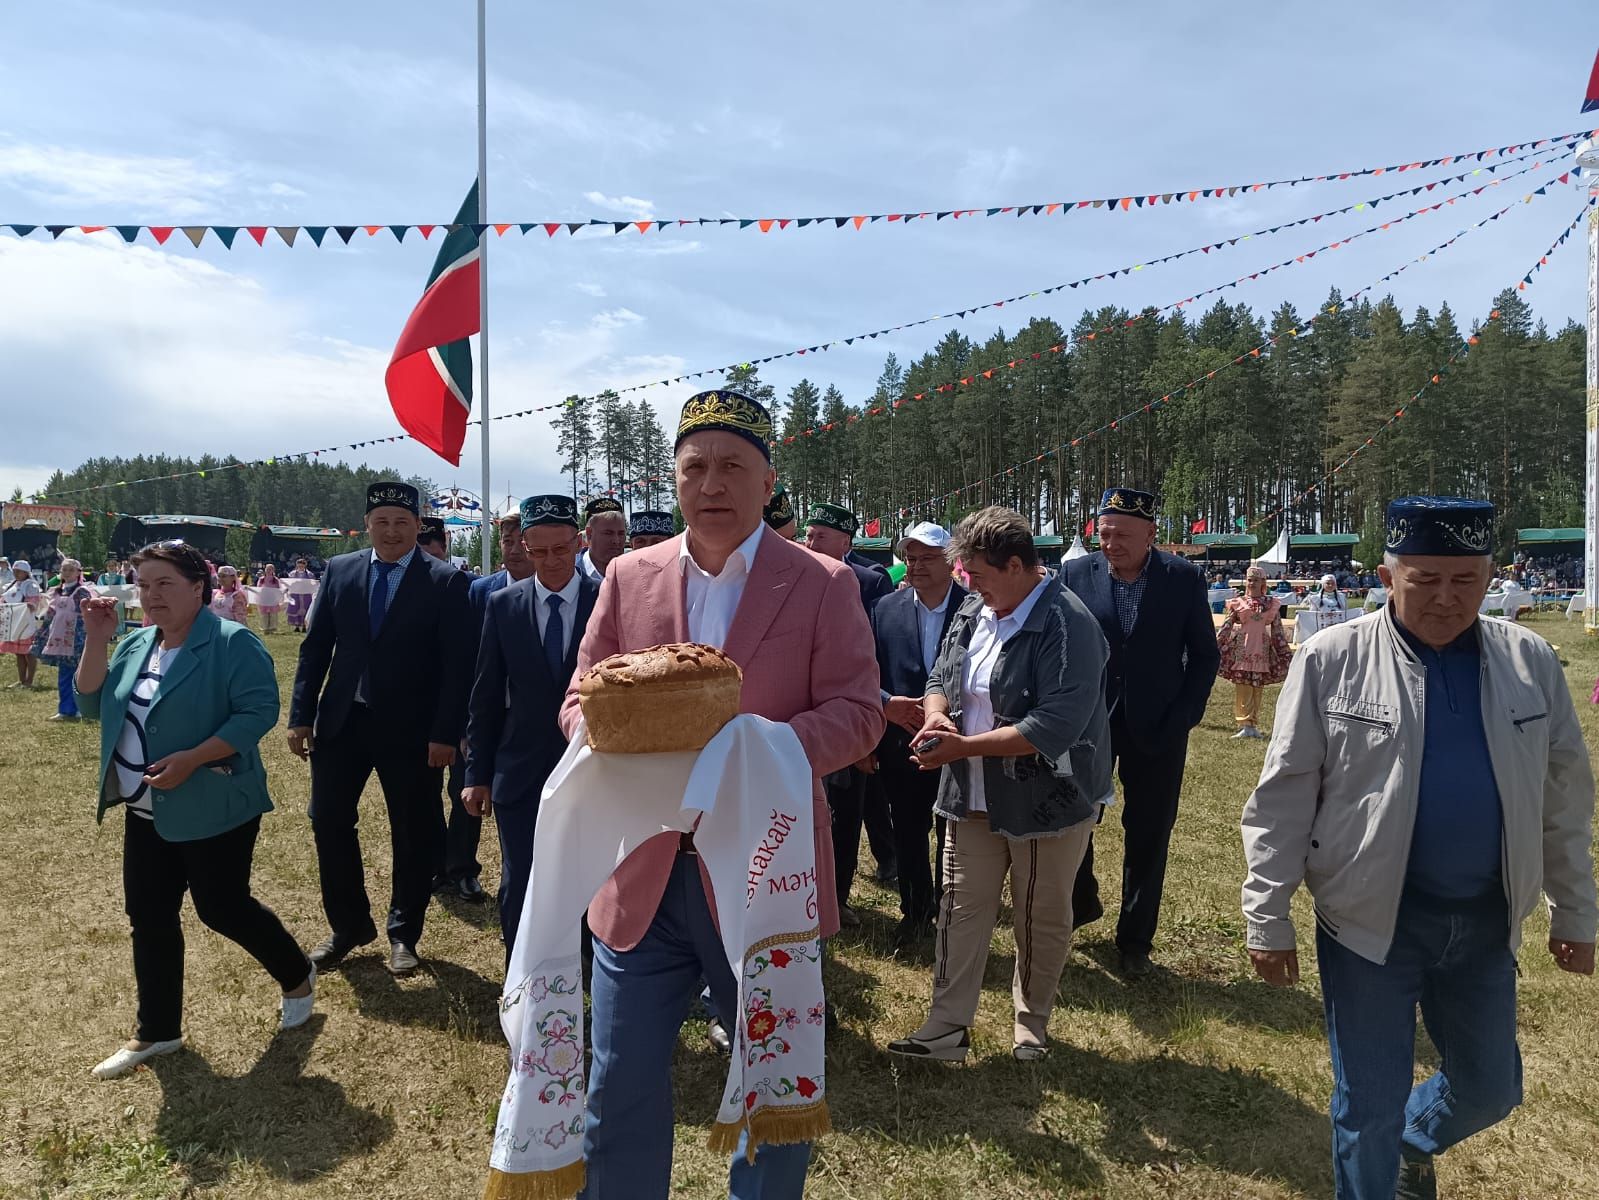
column 1445, row 526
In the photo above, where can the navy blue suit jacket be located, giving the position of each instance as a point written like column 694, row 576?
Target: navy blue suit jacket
column 419, row 665
column 1159, row 677
column 512, row 749
column 483, row 588
column 897, row 628
column 875, row 584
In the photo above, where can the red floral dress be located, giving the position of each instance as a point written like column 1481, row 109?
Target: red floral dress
column 1254, row 648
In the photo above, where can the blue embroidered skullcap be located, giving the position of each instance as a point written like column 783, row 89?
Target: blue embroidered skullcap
column 549, row 510
column 1444, row 526
column 1127, row 502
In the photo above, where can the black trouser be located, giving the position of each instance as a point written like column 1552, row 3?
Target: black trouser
column 878, row 821
column 911, row 794
column 215, row 871
column 458, row 852
column 340, row 767
column 846, row 793
column 1151, row 782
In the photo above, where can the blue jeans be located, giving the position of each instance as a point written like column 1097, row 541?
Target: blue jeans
column 1455, row 962
column 68, row 703
column 640, row 998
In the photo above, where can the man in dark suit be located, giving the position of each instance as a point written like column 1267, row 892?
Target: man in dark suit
column 531, row 632
column 455, row 864
column 830, row 532
column 908, row 627
column 514, row 561
column 853, row 796
column 605, row 532
column 1163, row 660
column 390, row 637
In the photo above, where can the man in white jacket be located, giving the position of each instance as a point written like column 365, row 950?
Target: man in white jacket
column 1426, row 780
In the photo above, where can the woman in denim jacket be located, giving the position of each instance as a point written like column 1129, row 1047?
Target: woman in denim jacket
column 1016, row 720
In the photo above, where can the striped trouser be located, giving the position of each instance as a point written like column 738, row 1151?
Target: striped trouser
column 1041, row 870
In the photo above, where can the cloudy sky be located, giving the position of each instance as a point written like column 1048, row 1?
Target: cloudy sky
column 362, row 113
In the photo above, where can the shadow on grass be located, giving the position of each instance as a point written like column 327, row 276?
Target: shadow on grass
column 450, row 998
column 295, row 1127
column 1165, row 1004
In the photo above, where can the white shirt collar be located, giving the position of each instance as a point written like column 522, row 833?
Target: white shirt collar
column 942, row 604
column 568, row 594
column 745, row 554
column 1017, row 617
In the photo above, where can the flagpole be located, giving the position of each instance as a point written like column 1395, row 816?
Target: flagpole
column 483, row 275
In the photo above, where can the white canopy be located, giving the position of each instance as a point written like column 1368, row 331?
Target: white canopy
column 1277, row 556
column 1076, row 549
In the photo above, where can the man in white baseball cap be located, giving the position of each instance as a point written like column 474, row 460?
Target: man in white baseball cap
column 909, row 626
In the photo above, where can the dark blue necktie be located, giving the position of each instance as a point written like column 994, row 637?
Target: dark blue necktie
column 554, row 636
column 378, row 604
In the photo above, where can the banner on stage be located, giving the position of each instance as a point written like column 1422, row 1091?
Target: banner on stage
column 57, row 517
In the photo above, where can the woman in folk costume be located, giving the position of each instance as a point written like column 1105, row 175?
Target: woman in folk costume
column 61, row 640
column 231, row 602
column 299, row 602
column 1254, row 649
column 271, row 600
column 21, row 589
column 1328, row 599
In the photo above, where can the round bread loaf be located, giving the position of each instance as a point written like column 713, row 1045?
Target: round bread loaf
column 659, row 700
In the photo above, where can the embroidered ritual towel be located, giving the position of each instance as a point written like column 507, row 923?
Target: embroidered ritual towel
column 750, row 790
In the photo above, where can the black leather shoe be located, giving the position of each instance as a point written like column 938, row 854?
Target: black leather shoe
column 335, row 949
column 402, row 959
column 1136, row 964
column 470, row 890
column 888, row 873
column 443, row 885
column 716, row 1034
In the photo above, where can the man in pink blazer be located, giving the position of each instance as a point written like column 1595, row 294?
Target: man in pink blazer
column 794, row 624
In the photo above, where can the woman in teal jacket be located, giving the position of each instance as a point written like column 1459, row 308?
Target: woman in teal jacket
column 183, row 705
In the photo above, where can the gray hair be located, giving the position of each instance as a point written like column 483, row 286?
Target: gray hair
column 996, row 535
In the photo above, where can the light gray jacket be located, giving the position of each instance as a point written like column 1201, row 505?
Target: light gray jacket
column 1336, row 803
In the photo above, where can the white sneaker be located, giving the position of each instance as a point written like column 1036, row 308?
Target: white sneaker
column 125, row 1059
column 297, row 1009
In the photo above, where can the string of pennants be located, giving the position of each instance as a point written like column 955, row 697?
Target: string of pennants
column 317, row 234
column 976, row 376
column 1433, row 380
column 1254, row 353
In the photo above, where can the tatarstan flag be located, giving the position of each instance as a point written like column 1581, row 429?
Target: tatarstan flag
column 1590, row 101
column 429, row 379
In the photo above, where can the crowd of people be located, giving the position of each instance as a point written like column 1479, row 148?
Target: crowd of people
column 1426, row 780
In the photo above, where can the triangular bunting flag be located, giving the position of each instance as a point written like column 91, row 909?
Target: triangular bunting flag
column 317, row 232
column 25, row 230
column 258, row 232
column 128, row 232
column 195, row 234
column 286, row 232
column 345, row 232
column 227, row 233
column 399, row 232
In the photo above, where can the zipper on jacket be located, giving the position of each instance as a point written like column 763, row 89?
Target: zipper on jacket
column 1518, row 722
column 1385, row 726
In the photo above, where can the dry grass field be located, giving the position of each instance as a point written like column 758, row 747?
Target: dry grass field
column 1199, row 1084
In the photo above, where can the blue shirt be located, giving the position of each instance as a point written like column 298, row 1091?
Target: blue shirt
column 395, row 575
column 1129, row 596
column 1456, row 849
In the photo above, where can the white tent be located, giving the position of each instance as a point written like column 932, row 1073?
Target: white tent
column 1277, row 556
column 1076, row 550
